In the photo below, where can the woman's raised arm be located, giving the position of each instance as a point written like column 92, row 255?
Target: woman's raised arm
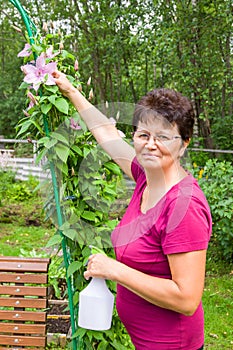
column 105, row 133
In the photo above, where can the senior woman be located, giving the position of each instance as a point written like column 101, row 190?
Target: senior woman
column 161, row 241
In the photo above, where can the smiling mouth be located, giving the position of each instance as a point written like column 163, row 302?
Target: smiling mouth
column 150, row 155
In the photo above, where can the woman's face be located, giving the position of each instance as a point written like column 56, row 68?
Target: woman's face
column 158, row 145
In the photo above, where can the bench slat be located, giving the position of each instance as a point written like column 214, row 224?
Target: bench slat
column 23, row 328
column 22, row 259
column 22, row 341
column 15, row 315
column 23, row 278
column 23, row 266
column 23, row 302
column 23, row 290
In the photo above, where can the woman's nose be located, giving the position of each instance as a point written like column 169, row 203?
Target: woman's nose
column 151, row 143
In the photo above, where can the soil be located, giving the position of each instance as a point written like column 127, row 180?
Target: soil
column 58, row 325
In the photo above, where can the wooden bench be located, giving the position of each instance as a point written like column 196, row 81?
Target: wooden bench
column 23, row 302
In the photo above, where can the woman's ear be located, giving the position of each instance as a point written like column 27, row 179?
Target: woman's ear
column 184, row 146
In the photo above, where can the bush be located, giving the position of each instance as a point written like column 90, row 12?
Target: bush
column 216, row 180
column 7, row 178
column 15, row 190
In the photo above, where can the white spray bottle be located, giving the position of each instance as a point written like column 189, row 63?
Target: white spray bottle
column 96, row 303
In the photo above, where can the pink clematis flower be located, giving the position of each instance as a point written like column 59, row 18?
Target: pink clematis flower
column 49, row 53
column 26, row 52
column 74, row 125
column 39, row 74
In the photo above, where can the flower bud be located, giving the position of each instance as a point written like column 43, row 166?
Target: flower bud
column 26, row 113
column 61, row 46
column 89, row 81
column 17, row 29
column 76, row 65
column 45, row 27
column 31, row 97
column 91, row 94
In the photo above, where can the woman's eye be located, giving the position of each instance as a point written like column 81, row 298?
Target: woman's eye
column 163, row 138
column 144, row 136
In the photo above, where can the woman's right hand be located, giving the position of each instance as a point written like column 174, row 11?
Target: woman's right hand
column 63, row 83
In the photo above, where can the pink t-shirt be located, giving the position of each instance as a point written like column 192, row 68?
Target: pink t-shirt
column 179, row 222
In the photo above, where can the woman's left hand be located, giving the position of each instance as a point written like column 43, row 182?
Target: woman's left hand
column 100, row 265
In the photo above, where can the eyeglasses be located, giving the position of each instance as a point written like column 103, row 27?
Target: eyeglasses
column 143, row 136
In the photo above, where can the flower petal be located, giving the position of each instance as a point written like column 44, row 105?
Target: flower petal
column 51, row 67
column 26, row 52
column 40, row 61
column 28, row 69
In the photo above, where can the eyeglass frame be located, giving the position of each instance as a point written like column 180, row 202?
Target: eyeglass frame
column 155, row 137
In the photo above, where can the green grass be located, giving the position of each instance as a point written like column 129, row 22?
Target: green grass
column 14, row 239
column 218, row 307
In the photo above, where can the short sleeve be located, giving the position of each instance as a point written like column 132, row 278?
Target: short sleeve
column 188, row 226
column 136, row 169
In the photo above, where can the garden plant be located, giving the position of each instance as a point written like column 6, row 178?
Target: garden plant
column 65, row 143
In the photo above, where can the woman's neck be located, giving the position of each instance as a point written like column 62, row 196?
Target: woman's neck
column 165, row 179
column 158, row 183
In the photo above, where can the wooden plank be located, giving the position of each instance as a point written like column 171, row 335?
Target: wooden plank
column 15, row 348
column 37, row 303
column 18, row 266
column 22, row 341
column 22, row 259
column 23, row 278
column 14, row 315
column 23, row 290
column 23, row 328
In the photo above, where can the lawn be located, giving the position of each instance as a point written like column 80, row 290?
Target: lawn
column 23, row 230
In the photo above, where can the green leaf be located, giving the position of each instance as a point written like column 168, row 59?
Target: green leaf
column 55, row 240
column 80, row 333
column 45, row 108
column 38, row 127
column 103, row 345
column 52, row 99
column 96, row 250
column 59, row 137
column 24, row 127
column 51, row 88
column 88, row 215
column 50, row 143
column 73, row 267
column 62, row 152
column 113, row 167
column 77, row 150
column 62, row 105
column 70, row 233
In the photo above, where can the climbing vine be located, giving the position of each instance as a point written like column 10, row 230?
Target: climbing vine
column 89, row 183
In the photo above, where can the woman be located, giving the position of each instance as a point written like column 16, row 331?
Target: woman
column 161, row 241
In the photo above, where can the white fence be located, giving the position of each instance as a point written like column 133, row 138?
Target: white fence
column 23, row 167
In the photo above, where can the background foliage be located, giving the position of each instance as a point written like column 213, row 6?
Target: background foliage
column 130, row 47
